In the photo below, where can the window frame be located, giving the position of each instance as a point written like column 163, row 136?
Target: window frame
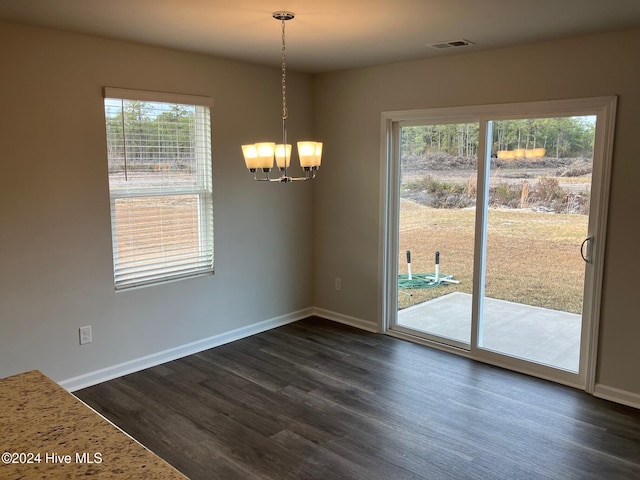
column 203, row 189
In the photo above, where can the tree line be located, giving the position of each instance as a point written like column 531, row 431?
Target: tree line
column 150, row 135
column 562, row 137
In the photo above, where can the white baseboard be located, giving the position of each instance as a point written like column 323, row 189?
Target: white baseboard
column 345, row 319
column 131, row 366
column 98, row 376
column 617, row 395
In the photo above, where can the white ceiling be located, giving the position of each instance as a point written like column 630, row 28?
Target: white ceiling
column 327, row 34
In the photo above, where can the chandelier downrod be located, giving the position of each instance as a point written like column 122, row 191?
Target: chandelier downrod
column 283, row 17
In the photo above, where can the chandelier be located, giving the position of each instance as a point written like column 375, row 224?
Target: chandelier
column 260, row 156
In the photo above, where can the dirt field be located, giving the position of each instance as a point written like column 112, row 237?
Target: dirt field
column 157, row 227
column 573, row 174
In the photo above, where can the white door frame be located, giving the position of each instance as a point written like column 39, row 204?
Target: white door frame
column 605, row 109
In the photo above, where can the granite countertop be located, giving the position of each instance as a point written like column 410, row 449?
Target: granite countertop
column 63, row 438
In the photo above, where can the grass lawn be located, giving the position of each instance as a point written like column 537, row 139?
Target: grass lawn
column 532, row 258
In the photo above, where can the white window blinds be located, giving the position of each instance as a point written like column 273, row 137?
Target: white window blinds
column 160, row 183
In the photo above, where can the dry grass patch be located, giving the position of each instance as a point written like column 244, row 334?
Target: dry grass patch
column 532, row 258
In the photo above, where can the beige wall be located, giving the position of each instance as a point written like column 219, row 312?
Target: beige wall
column 348, row 108
column 55, row 241
column 278, row 247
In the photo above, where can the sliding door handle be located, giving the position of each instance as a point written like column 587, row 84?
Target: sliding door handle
column 585, row 249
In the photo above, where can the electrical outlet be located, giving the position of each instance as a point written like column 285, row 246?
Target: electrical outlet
column 338, row 284
column 85, row 335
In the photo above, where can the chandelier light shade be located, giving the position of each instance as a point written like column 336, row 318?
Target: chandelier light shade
column 263, row 155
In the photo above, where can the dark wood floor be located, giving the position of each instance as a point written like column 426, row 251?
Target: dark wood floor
column 318, row 400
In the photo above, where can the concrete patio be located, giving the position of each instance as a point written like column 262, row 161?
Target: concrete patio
column 541, row 335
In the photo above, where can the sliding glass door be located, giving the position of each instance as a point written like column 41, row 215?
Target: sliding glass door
column 438, row 181
column 495, row 231
column 537, row 218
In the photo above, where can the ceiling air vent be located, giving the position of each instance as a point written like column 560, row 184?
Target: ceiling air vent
column 452, row 43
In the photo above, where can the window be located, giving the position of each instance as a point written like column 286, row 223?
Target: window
column 160, row 184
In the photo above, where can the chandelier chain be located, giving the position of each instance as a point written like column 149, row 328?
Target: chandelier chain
column 285, row 113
